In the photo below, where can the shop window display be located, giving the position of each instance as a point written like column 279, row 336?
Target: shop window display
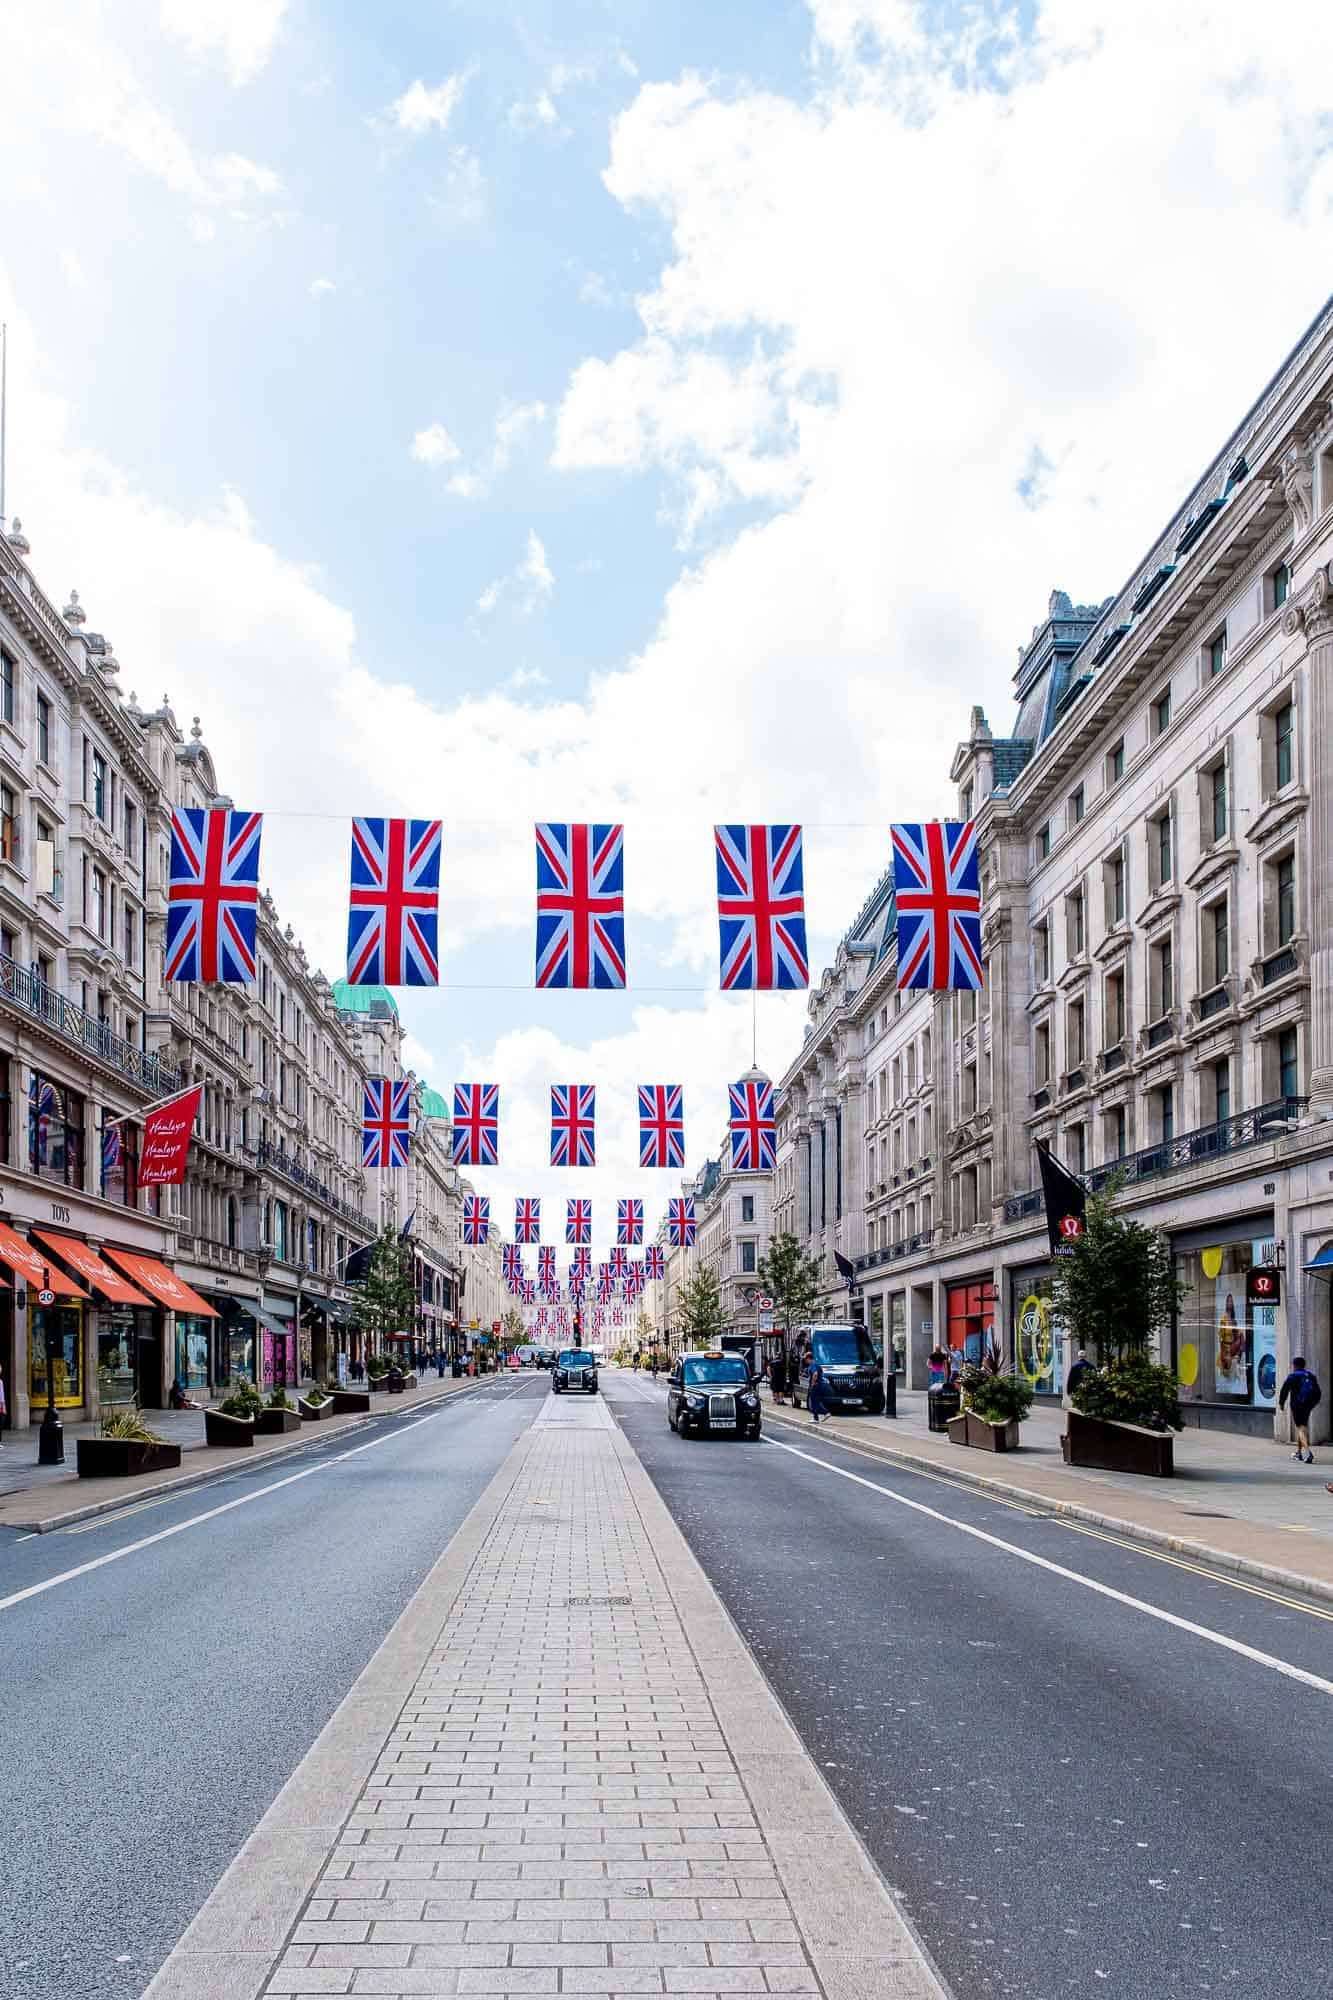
column 1226, row 1350
column 64, row 1324
column 193, row 1338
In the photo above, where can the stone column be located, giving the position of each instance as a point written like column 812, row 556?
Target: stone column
column 1316, row 614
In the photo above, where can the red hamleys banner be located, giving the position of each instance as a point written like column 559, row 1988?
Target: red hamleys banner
column 166, row 1139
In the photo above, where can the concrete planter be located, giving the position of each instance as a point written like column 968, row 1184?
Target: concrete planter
column 957, row 1428
column 220, row 1429
column 121, row 1458
column 312, row 1413
column 1091, row 1441
column 983, row 1435
column 351, row 1402
column 272, row 1423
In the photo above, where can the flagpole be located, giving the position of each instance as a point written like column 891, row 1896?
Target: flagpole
column 148, row 1109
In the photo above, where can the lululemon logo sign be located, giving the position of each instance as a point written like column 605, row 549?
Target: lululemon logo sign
column 1071, row 1226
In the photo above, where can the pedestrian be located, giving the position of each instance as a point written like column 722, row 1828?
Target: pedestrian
column 777, row 1376
column 1080, row 1371
column 1302, row 1386
column 817, row 1394
column 938, row 1368
column 653, row 1364
column 439, row 1362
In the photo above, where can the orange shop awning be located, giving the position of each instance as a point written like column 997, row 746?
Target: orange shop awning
column 89, row 1265
column 35, row 1270
column 165, row 1286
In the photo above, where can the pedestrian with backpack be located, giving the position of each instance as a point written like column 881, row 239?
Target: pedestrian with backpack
column 1302, row 1387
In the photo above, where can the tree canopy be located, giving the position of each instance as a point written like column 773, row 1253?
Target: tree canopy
column 1119, row 1287
column 699, row 1306
column 386, row 1298
column 791, row 1280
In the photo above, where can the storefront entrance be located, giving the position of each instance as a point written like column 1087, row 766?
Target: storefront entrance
column 62, row 1325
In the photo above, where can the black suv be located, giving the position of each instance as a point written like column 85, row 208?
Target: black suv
column 852, row 1378
column 712, row 1392
column 575, row 1369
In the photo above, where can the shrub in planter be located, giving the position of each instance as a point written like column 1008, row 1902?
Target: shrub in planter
column 124, row 1445
column 999, row 1399
column 243, row 1401
column 1131, row 1390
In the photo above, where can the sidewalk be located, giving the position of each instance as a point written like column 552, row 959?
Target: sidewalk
column 37, row 1498
column 1240, row 1502
column 562, row 1774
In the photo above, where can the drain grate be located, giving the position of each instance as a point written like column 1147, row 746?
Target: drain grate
column 582, row 1603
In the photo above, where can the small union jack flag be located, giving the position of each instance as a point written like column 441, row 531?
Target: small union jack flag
column 213, row 895
column 528, row 1291
column 580, row 905
column 393, row 915
column 386, row 1121
column 578, row 1221
column 937, row 890
column 680, row 1221
column 577, row 1291
column 618, row 1263
column 754, row 1146
column 760, row 907
column 629, row 1221
column 661, row 1125
column 580, row 1264
column 476, row 1124
column 511, row 1260
column 527, row 1219
column 634, row 1279
column 573, row 1125
column 546, row 1262
column 654, row 1263
column 476, row 1218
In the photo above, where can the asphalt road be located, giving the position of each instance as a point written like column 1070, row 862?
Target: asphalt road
column 155, row 1704
column 1068, row 1794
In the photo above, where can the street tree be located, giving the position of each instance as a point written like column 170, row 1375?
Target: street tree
column 791, row 1280
column 1117, row 1287
column 511, row 1326
column 645, row 1332
column 386, row 1298
column 699, row 1307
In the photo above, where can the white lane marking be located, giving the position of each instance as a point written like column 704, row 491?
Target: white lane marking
column 210, row 1514
column 1072, row 1576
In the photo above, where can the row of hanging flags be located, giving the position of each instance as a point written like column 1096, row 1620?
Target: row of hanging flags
column 617, row 1277
column 393, row 923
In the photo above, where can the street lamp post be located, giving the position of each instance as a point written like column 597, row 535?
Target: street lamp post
column 51, row 1436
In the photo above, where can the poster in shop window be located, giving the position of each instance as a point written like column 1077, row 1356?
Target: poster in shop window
column 1231, row 1374
column 1264, row 1322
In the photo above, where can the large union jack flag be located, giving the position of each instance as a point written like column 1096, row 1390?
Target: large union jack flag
column 476, row 1218
column 754, row 1146
column 680, row 1221
column 213, row 895
column 629, row 1221
column 937, row 890
column 573, row 1125
column 386, row 1120
column 511, row 1261
column 580, row 905
column 578, row 1221
column 476, row 1124
column 393, row 914
column 654, row 1263
column 527, row 1219
column 760, row 907
column 661, row 1125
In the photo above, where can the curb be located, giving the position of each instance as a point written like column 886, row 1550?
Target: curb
column 1073, row 1510
column 166, row 1488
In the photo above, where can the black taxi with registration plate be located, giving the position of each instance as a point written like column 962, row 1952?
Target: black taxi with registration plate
column 713, row 1392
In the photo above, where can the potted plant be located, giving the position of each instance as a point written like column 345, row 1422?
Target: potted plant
column 277, row 1415
column 315, row 1405
column 994, row 1405
column 124, row 1445
column 1112, row 1292
column 232, row 1422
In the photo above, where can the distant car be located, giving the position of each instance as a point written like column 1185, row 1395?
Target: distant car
column 575, row 1368
column 712, row 1392
column 546, row 1357
column 852, row 1378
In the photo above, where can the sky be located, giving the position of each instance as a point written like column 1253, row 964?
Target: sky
column 604, row 411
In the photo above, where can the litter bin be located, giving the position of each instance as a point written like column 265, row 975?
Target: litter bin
column 455, row 1369
column 941, row 1404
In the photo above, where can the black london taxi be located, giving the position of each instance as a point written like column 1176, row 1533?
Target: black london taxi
column 712, row 1392
column 575, row 1368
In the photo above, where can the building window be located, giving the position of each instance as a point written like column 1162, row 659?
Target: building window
column 1284, row 731
column 101, row 790
column 8, row 673
column 55, row 1131
column 967, row 802
column 1115, row 889
column 9, row 825
column 1042, row 1054
column 1115, row 763
column 1076, row 805
column 1221, row 1092
column 969, row 1092
column 1217, row 942
column 280, row 1231
column 97, row 902
column 1159, row 837
column 1041, row 958
column 1279, row 587
column 43, row 729
column 1115, row 1008
column 1215, row 797
column 1043, row 841
column 1166, row 1114
column 120, row 1163
column 748, row 1254
column 1160, row 979
column 131, row 935
column 1076, row 926
column 1077, row 1144
column 1115, row 1133
column 747, row 1208
column 1288, row 1068
column 1161, row 712
column 1284, row 891
column 1216, row 654
column 1074, row 1034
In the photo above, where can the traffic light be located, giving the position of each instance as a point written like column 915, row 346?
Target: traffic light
column 578, row 1326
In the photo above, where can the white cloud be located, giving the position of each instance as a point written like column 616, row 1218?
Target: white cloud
column 425, row 107
column 320, row 288
column 515, row 424
column 239, row 32
column 434, row 446
column 531, row 582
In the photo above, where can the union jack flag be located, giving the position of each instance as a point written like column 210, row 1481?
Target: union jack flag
column 580, row 1264
column 577, row 1291
column 680, row 1221
column 760, row 907
column 476, row 1124
column 618, row 1263
column 605, row 1281
column 754, row 1146
column 580, row 905
column 546, row 1262
column 573, row 1125
column 629, row 1221
column 476, row 1218
column 528, row 1292
column 937, row 889
column 511, row 1260
column 393, row 913
column 578, row 1222
column 213, row 895
column 386, row 1119
column 527, row 1219
column 654, row 1263
column 634, row 1279
column 661, row 1125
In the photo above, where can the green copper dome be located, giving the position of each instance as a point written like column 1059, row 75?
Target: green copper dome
column 432, row 1104
column 373, row 1000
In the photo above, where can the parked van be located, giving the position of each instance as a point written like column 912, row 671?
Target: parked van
column 851, row 1367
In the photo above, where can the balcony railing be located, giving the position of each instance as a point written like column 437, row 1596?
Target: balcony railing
column 1279, row 964
column 1191, row 1149
column 274, row 1160
column 1113, row 1057
column 1215, row 1002
column 1160, row 1031
column 83, row 1030
column 906, row 1247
